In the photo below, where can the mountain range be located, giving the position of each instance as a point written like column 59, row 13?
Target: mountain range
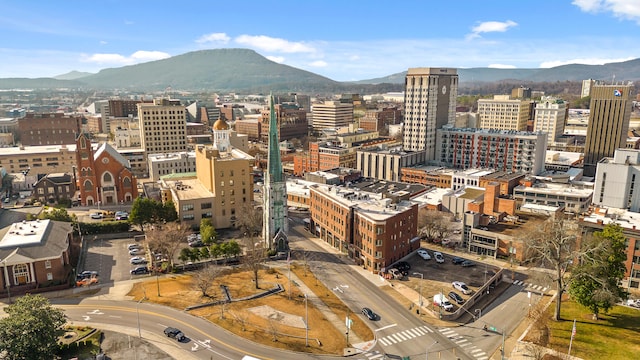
column 245, row 71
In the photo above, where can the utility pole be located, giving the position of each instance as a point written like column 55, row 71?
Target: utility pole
column 306, row 321
column 421, row 278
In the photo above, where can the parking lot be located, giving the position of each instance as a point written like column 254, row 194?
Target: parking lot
column 110, row 258
column 439, row 277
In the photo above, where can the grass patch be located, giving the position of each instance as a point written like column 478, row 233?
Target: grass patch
column 79, row 341
column 179, row 292
column 615, row 335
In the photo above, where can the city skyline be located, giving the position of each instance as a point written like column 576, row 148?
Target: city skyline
column 342, row 41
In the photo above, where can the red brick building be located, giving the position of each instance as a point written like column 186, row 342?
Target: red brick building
column 379, row 120
column 104, row 176
column 292, row 123
column 48, row 129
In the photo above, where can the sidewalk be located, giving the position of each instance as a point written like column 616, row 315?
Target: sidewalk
column 515, row 349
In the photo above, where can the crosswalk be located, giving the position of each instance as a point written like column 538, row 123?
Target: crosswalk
column 530, row 285
column 465, row 344
column 405, row 335
column 372, row 355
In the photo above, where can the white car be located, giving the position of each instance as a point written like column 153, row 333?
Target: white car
column 439, row 257
column 97, row 216
column 462, row 287
column 136, row 252
column 424, row 254
column 138, row 260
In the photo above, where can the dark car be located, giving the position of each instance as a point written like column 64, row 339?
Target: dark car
column 174, row 333
column 467, row 263
column 196, row 243
column 456, row 260
column 403, row 266
column 455, row 297
column 369, row 313
column 139, row 270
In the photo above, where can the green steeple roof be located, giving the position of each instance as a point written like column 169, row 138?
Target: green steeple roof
column 275, row 163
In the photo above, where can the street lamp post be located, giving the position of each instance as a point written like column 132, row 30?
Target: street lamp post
column 421, row 278
column 138, row 313
column 426, row 353
column 306, row 321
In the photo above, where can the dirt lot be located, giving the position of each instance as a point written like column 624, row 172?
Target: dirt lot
column 275, row 320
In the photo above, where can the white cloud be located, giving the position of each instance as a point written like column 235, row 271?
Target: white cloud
column 624, row 9
column 278, row 59
column 354, row 58
column 141, row 55
column 117, row 59
column 267, row 43
column 102, row 42
column 318, row 63
column 584, row 61
column 490, row 26
column 501, row 66
column 218, row 38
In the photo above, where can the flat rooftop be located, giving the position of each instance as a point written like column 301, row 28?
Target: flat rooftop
column 24, row 233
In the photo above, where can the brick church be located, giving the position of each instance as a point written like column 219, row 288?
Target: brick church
column 104, row 176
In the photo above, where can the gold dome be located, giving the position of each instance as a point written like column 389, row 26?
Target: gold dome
column 220, row 124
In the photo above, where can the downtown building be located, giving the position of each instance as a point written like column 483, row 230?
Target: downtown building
column 503, row 113
column 331, row 115
column 163, row 126
column 500, row 150
column 221, row 188
column 610, row 111
column 616, row 180
column 429, row 104
column 372, row 230
column 549, row 117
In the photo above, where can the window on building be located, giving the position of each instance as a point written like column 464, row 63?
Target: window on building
column 47, row 264
column 187, row 207
column 49, row 276
column 88, row 185
column 205, row 206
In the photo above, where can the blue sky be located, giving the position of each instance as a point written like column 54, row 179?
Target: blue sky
column 342, row 40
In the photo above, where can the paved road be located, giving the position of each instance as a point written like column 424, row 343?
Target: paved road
column 399, row 332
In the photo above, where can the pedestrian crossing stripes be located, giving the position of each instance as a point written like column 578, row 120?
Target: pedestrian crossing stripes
column 372, row 355
column 404, row 335
column 530, row 285
column 468, row 347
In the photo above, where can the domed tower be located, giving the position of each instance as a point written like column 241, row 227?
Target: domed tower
column 221, row 135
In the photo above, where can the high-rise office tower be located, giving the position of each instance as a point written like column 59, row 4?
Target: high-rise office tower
column 429, row 103
column 608, row 122
column 163, row 126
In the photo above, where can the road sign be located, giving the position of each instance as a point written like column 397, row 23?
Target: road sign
column 348, row 322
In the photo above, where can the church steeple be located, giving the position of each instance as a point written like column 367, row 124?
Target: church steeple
column 275, row 225
column 275, row 164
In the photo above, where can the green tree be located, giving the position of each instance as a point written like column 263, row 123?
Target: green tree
column 143, row 212
column 56, row 214
column 596, row 279
column 207, row 231
column 168, row 211
column 29, row 330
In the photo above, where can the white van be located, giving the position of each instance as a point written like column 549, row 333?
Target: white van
column 442, row 301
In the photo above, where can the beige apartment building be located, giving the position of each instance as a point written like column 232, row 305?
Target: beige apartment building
column 39, row 159
column 331, row 115
column 549, row 117
column 503, row 113
column 222, row 187
column 163, row 126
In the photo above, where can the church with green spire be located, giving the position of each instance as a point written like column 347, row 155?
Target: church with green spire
column 275, row 225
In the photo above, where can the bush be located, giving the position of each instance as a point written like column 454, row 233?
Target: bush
column 104, row 227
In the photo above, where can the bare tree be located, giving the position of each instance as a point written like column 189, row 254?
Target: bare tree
column 167, row 238
column 254, row 256
column 433, row 224
column 250, row 220
column 554, row 245
column 203, row 279
column 273, row 329
column 242, row 318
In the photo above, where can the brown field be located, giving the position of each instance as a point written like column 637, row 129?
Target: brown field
column 283, row 331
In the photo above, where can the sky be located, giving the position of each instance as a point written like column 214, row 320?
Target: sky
column 342, row 40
